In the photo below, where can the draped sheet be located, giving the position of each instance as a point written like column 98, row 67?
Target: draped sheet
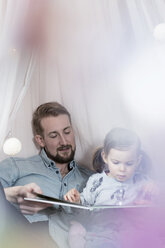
column 91, row 58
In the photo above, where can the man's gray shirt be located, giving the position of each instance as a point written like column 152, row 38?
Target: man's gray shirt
column 42, row 171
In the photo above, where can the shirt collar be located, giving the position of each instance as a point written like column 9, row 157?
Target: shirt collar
column 50, row 163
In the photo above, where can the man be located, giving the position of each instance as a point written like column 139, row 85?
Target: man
column 54, row 169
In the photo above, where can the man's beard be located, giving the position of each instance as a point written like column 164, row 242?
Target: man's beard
column 62, row 159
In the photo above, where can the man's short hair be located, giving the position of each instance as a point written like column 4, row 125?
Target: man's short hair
column 46, row 110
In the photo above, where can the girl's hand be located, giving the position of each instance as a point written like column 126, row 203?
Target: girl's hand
column 150, row 189
column 148, row 194
column 73, row 196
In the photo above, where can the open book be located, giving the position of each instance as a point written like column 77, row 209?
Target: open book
column 51, row 200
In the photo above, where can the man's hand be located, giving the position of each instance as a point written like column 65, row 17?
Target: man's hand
column 73, row 196
column 16, row 194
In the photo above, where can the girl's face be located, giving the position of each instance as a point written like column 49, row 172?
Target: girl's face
column 122, row 163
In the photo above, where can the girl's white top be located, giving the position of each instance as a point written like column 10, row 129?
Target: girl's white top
column 104, row 190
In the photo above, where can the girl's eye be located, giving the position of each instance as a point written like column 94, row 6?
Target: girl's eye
column 115, row 162
column 130, row 163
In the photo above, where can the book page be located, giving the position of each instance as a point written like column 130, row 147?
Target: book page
column 51, row 200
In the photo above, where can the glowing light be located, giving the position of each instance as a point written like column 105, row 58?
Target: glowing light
column 159, row 32
column 144, row 87
column 12, row 146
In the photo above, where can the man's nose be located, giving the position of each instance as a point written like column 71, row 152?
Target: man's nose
column 63, row 140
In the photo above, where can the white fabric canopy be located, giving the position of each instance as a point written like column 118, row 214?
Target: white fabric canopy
column 16, row 64
column 100, row 59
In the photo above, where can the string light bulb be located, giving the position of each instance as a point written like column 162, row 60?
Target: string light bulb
column 159, row 32
column 12, row 146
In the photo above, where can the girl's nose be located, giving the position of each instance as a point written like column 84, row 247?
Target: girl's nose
column 122, row 167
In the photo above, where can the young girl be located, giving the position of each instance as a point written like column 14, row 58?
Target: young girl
column 121, row 180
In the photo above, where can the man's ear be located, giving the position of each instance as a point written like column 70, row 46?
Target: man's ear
column 40, row 141
column 104, row 157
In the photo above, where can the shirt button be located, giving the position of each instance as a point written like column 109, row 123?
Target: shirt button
column 52, row 163
column 64, row 184
column 57, row 172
